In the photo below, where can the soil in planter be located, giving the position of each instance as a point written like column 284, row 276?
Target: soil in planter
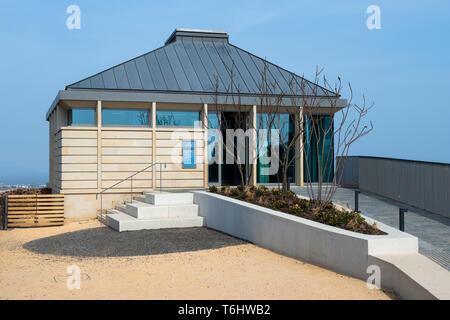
column 288, row 202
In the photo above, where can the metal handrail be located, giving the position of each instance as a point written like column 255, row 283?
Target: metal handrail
column 131, row 186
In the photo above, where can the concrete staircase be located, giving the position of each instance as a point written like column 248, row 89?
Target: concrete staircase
column 155, row 210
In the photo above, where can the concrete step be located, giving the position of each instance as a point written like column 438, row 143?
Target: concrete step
column 143, row 210
column 121, row 221
column 102, row 218
column 140, row 198
column 155, row 210
column 168, row 198
column 183, row 210
column 109, row 212
column 121, row 207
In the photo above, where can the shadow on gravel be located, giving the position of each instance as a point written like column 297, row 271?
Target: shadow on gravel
column 104, row 242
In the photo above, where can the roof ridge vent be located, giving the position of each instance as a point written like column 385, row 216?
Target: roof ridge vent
column 211, row 35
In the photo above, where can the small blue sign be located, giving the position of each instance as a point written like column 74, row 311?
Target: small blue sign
column 189, row 154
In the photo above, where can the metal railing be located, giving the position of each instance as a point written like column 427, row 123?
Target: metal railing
column 419, row 184
column 131, row 183
column 401, row 212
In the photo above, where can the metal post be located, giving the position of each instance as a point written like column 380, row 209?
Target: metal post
column 101, row 203
column 401, row 218
column 131, row 194
column 160, row 177
column 357, row 192
column 5, row 214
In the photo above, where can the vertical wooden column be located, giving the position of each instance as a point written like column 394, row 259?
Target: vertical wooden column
column 299, row 149
column 99, row 145
column 302, row 123
column 55, row 129
column 57, row 157
column 51, row 146
column 205, row 144
column 254, row 152
column 153, row 123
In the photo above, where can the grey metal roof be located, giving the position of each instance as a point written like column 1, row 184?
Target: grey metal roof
column 191, row 61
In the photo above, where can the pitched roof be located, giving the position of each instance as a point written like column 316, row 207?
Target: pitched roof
column 195, row 61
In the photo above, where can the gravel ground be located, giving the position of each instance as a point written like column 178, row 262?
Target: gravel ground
column 194, row 263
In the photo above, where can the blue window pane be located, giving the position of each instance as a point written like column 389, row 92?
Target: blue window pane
column 82, row 117
column 213, row 120
column 166, row 118
column 188, row 154
column 126, row 117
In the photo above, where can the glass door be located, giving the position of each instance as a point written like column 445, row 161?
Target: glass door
column 223, row 173
column 214, row 150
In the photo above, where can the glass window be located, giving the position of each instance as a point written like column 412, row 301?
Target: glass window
column 319, row 148
column 82, row 116
column 284, row 123
column 188, row 154
column 166, row 118
column 213, row 168
column 213, row 120
column 125, row 117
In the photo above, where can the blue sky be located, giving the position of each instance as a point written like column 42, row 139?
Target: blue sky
column 404, row 67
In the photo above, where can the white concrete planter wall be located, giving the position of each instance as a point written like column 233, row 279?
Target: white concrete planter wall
column 337, row 249
column 403, row 269
column 334, row 248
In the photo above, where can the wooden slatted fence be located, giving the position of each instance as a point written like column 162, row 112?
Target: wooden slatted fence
column 35, row 210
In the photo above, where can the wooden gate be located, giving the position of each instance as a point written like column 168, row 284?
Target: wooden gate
column 35, row 210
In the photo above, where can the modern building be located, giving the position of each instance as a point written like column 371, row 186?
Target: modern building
column 154, row 109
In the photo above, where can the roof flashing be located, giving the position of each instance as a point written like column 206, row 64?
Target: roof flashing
column 211, row 35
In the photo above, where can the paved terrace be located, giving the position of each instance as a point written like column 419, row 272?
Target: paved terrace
column 432, row 230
